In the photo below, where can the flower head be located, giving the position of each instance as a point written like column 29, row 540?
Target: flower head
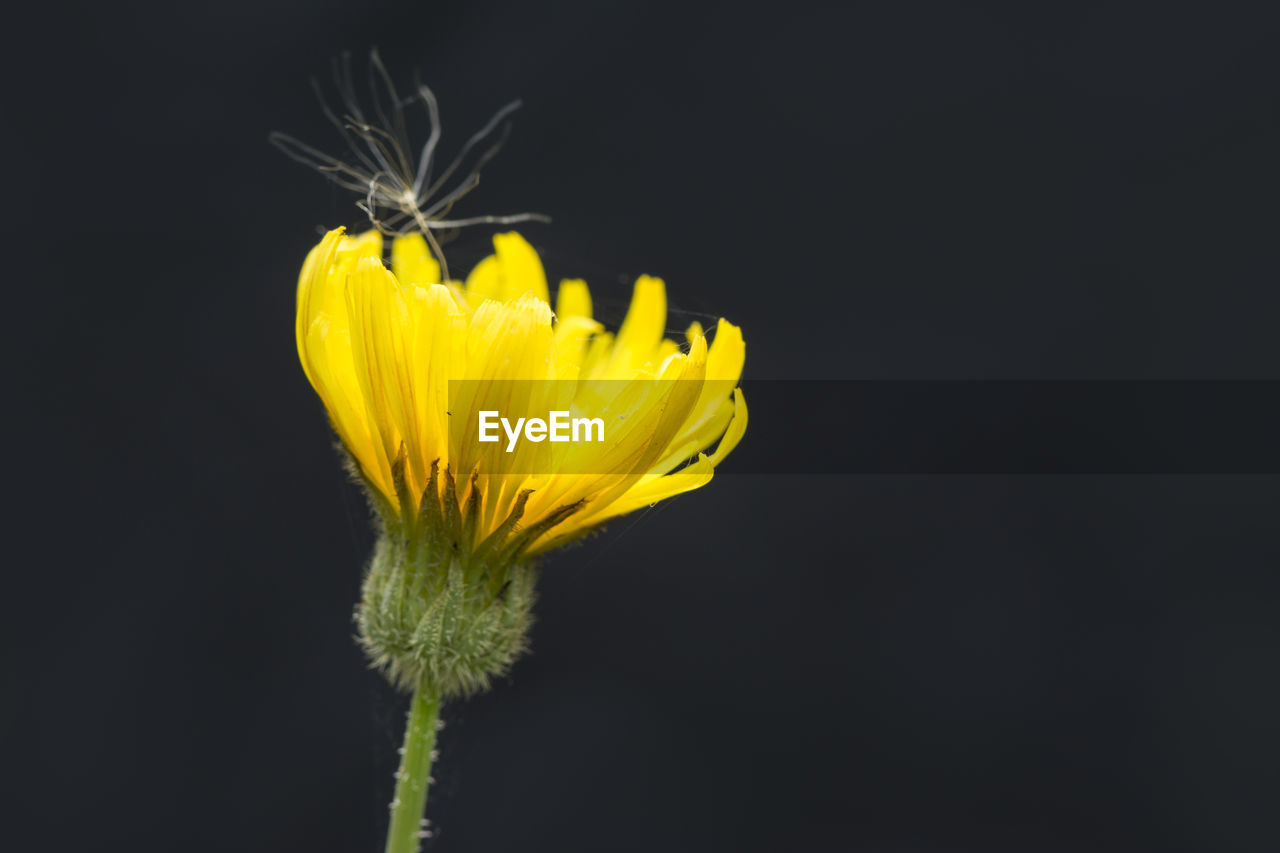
column 404, row 365
column 381, row 347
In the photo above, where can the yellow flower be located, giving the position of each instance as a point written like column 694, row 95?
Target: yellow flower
column 406, row 365
column 412, row 367
column 381, row 348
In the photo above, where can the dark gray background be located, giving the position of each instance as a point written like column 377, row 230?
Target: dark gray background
column 893, row 190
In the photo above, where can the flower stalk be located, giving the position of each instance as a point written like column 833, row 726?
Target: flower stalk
column 414, row 777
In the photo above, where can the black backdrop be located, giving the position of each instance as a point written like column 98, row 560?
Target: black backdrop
column 879, row 191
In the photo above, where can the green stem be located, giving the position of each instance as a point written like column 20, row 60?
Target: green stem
column 415, row 774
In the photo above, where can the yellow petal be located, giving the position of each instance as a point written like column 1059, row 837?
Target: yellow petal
column 485, row 280
column 315, row 271
column 511, row 272
column 380, row 353
column 522, row 271
column 727, row 354
column 716, row 406
column 654, row 488
column 437, row 341
column 641, row 333
column 571, row 340
column 737, row 428
column 364, row 245
column 412, row 261
column 573, row 299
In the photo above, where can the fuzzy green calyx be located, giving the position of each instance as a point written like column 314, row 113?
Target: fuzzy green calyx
column 423, row 622
column 437, row 613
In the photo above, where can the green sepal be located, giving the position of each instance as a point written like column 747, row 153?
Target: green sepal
column 438, row 611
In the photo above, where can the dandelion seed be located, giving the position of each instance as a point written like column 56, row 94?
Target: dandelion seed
column 398, row 192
